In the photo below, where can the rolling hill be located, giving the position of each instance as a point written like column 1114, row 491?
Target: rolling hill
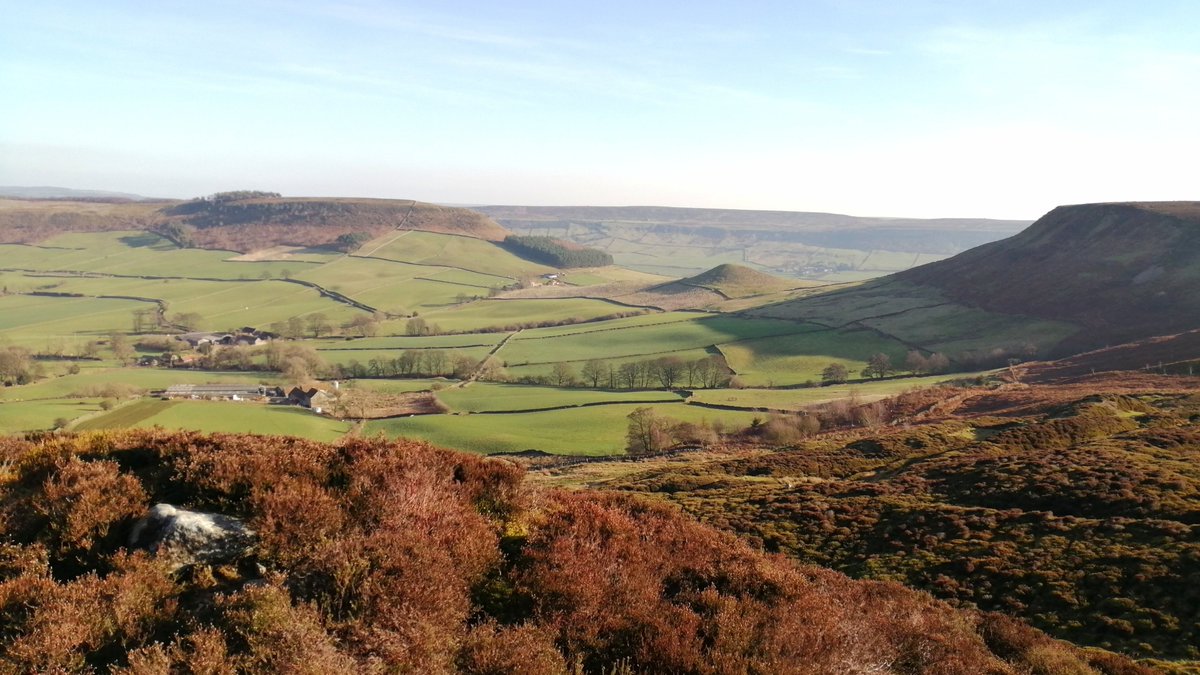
column 736, row 281
column 1082, row 277
column 1120, row 271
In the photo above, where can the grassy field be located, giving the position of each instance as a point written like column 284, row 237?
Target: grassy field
column 546, row 369
column 17, row 417
column 484, row 314
column 796, row 359
column 221, row 416
column 428, row 248
column 391, row 386
column 591, row 276
column 397, row 287
column 405, row 342
column 798, row 399
column 489, row 397
column 652, row 319
column 597, row 430
column 142, row 253
column 221, row 305
column 365, row 356
column 695, row 332
column 34, row 321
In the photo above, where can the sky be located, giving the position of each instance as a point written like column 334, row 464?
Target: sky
column 923, row 108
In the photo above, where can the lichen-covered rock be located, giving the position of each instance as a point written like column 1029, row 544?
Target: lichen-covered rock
column 183, row 537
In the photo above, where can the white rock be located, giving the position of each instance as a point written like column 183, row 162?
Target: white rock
column 185, row 537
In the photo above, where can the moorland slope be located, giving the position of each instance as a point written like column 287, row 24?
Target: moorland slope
column 399, row 557
column 1076, row 511
column 1120, row 271
column 1081, row 278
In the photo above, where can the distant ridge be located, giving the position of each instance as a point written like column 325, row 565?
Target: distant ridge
column 50, row 192
column 1122, row 271
column 244, row 221
column 929, row 235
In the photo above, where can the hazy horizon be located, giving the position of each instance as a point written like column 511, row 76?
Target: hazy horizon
column 997, row 110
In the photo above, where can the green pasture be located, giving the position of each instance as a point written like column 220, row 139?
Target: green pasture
column 796, row 359
column 546, row 369
column 597, row 430
column 141, row 253
column 410, row 342
column 220, row 416
column 697, row 333
column 18, row 417
column 800, row 398
column 398, row 386
column 397, row 287
column 496, row 313
column 641, row 320
column 365, row 356
column 490, row 397
column 591, row 276
column 221, row 305
column 428, row 248
column 35, row 321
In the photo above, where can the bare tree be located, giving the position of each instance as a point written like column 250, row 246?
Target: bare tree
column 593, row 371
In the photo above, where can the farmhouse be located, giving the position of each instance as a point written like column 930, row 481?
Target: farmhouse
column 246, row 335
column 311, row 398
column 229, row 392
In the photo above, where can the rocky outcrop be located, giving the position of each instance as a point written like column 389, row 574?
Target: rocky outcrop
column 184, row 538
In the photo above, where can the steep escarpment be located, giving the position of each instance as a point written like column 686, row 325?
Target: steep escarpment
column 1121, row 271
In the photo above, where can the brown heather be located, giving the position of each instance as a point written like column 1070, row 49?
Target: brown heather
column 398, row 557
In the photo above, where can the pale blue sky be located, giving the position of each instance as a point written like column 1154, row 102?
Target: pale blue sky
column 922, row 108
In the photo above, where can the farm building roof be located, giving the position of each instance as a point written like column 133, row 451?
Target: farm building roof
column 217, row 390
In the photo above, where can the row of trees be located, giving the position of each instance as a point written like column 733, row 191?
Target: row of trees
column 879, row 366
column 413, row 363
column 666, row 372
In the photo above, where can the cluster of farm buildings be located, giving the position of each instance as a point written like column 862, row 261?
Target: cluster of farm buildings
column 313, row 398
